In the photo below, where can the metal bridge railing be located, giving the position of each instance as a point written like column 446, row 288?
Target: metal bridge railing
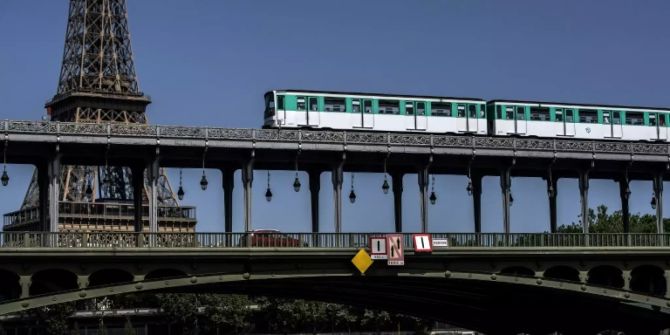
column 319, row 240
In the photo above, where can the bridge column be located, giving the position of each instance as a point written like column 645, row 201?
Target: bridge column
column 338, row 179
column 153, row 173
column 658, row 194
column 137, row 172
column 667, row 284
column 552, row 192
column 583, row 276
column 314, row 188
column 82, row 281
column 54, row 192
column 423, row 200
column 477, row 201
column 624, row 193
column 626, row 279
column 505, row 185
column 43, row 185
column 584, row 199
column 228, row 181
column 396, row 180
column 247, row 181
column 25, row 282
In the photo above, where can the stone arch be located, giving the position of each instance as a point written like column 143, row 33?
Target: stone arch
column 9, row 285
column 648, row 279
column 518, row 271
column 53, row 280
column 606, row 275
column 562, row 272
column 109, row 276
column 164, row 273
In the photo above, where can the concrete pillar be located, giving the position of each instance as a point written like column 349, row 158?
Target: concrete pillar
column 505, row 185
column 247, row 181
column 25, row 281
column 338, row 179
column 552, row 192
column 583, row 276
column 423, row 197
column 658, row 193
column 138, row 186
column 626, row 279
column 43, row 185
column 584, row 199
column 153, row 172
column 228, row 181
column 314, row 188
column 82, row 281
column 477, row 201
column 54, row 192
column 624, row 193
column 396, row 180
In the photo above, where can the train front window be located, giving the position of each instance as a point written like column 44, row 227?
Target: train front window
column 301, row 104
column 334, row 104
column 280, row 102
column 269, row 106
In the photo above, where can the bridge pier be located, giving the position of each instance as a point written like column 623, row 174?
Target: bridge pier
column 667, row 283
column 626, row 279
column 137, row 172
column 338, row 179
column 624, row 193
column 476, row 180
column 314, row 188
column 54, row 192
column 82, row 281
column 583, row 276
column 25, row 282
column 552, row 192
column 423, row 176
column 658, row 195
column 247, row 180
column 396, row 179
column 506, row 185
column 43, row 185
column 228, row 181
column 153, row 173
column 584, row 199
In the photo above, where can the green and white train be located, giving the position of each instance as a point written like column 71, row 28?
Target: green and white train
column 404, row 113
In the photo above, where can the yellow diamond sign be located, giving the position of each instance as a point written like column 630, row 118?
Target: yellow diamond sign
column 362, row 261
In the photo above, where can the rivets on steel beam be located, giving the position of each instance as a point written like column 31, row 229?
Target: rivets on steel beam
column 626, row 295
column 54, row 299
column 494, row 277
column 539, row 281
column 167, row 283
column 194, row 279
column 583, row 287
column 138, row 286
column 246, row 275
column 82, row 294
column 25, row 304
column 447, row 274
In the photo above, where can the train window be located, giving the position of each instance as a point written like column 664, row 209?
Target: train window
column 616, row 117
column 420, row 108
column 269, row 106
column 409, row 108
column 301, row 103
column 569, row 115
column 460, row 110
column 472, row 111
column 499, row 115
column 559, row 115
column 356, row 106
column 441, row 109
column 606, row 117
column 509, row 113
column 539, row 113
column 635, row 119
column 280, row 102
column 661, row 119
column 367, row 107
column 588, row 116
column 520, row 113
column 333, row 105
column 313, row 105
column 652, row 119
column 389, row 107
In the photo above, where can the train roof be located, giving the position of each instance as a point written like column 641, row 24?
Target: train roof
column 378, row 95
column 570, row 104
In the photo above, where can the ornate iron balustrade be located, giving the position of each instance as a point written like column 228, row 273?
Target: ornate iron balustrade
column 433, row 141
column 106, row 210
column 321, row 240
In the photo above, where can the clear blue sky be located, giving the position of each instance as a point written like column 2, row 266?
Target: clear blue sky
column 208, row 63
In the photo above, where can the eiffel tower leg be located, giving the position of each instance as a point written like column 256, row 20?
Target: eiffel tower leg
column 137, row 172
column 54, row 188
column 43, row 186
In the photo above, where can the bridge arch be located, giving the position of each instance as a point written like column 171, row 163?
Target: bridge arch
column 606, row 275
column 648, row 279
column 562, row 272
column 164, row 273
column 518, row 271
column 9, row 285
column 53, row 280
column 109, row 276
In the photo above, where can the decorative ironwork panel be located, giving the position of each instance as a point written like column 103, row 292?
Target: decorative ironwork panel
column 176, row 131
column 230, row 134
column 83, row 128
column 268, row 135
column 410, row 139
column 366, row 137
column 323, row 136
column 30, row 127
column 649, row 148
column 494, row 142
column 574, row 145
column 133, row 130
column 612, row 147
column 534, row 144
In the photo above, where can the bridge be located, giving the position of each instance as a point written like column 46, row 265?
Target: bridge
column 520, row 282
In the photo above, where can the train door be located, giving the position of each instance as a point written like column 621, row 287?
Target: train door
column 416, row 115
column 657, row 121
column 569, row 124
column 471, row 117
column 520, row 122
column 663, row 126
column 421, row 117
column 312, row 111
column 617, row 127
column 367, row 120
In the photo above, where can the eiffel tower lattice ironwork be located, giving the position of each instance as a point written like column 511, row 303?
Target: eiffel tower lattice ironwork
column 98, row 84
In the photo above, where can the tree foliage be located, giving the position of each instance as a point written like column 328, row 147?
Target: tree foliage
column 600, row 221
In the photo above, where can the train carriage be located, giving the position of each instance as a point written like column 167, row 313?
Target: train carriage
column 380, row 112
column 523, row 118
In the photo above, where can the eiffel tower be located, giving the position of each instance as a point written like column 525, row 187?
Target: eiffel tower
column 98, row 84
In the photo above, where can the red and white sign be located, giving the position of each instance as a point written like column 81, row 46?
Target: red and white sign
column 422, row 243
column 395, row 252
column 378, row 249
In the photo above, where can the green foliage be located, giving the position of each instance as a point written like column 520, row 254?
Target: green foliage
column 600, row 221
column 56, row 318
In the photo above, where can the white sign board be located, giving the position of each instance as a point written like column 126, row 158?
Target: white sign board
column 440, row 242
column 422, row 243
column 378, row 248
column 395, row 250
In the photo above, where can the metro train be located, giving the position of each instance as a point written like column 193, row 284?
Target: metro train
column 430, row 114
